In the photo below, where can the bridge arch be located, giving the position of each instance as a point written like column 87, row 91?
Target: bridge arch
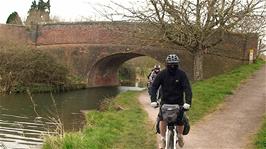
column 105, row 71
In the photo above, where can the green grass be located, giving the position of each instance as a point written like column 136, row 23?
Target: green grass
column 208, row 94
column 122, row 124
column 69, row 141
column 260, row 139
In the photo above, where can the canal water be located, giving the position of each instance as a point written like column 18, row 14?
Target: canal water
column 24, row 121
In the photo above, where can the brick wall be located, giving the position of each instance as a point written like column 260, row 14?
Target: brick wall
column 15, row 33
column 231, row 53
column 78, row 33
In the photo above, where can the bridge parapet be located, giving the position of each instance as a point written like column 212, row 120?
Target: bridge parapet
column 84, row 33
column 16, row 33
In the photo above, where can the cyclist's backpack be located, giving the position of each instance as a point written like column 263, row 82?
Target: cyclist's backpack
column 186, row 125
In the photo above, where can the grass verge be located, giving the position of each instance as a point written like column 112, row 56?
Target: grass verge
column 260, row 139
column 208, row 94
column 121, row 124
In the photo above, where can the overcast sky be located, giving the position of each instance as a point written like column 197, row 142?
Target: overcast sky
column 67, row 10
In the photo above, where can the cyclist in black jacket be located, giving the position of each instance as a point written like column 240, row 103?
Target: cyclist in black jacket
column 175, row 85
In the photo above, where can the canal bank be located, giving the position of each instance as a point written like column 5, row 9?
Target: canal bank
column 20, row 125
column 120, row 123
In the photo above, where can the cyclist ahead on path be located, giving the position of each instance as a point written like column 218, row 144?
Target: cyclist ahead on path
column 174, row 84
column 152, row 75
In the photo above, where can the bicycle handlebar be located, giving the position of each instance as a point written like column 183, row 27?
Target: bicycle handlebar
column 181, row 107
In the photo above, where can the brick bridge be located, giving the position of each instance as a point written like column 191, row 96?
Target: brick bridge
column 96, row 50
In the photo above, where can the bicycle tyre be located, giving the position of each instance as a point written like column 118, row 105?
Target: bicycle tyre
column 170, row 143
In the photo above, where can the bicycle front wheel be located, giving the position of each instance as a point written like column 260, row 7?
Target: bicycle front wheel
column 170, row 140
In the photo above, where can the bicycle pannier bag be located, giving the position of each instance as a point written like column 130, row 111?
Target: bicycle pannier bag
column 170, row 112
column 186, row 125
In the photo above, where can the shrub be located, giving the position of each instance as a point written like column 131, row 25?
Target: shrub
column 29, row 67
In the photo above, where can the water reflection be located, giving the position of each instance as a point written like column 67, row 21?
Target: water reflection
column 22, row 123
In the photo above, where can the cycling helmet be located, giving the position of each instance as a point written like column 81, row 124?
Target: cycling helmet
column 172, row 59
column 157, row 67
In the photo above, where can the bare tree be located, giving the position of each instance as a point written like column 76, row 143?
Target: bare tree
column 255, row 23
column 195, row 25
